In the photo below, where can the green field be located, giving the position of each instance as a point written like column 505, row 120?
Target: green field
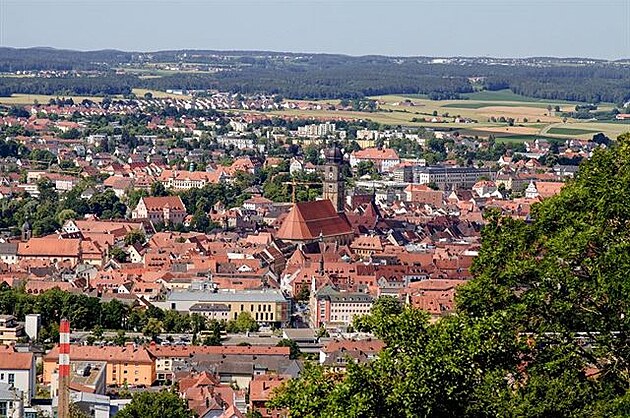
column 569, row 131
column 523, row 138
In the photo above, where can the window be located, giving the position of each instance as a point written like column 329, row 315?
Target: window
column 241, row 308
column 11, row 378
column 3, row 409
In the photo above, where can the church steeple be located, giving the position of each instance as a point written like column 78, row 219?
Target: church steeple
column 333, row 181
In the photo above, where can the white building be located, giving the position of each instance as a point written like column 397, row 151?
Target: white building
column 317, row 130
column 384, row 159
column 167, row 209
column 11, row 404
column 18, row 370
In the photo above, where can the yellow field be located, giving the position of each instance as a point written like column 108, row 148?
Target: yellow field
column 29, row 99
column 393, row 112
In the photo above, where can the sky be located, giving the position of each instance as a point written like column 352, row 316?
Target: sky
column 497, row 28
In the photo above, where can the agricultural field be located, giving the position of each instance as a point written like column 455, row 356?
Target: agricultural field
column 569, row 131
column 29, row 99
column 532, row 119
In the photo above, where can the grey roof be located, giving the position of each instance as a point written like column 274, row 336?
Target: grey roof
column 7, row 393
column 209, row 307
column 328, row 292
column 9, row 248
column 267, row 295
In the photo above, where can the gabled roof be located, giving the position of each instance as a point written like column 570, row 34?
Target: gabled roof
column 52, row 247
column 310, row 220
column 159, row 203
column 11, row 360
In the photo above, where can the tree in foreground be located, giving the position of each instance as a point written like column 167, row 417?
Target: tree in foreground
column 156, row 405
column 542, row 330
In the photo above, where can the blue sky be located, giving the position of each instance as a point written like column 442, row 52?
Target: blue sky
column 502, row 28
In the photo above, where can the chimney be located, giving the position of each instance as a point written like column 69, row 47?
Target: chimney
column 63, row 408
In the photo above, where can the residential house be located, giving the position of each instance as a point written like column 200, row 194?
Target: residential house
column 18, row 371
column 130, row 364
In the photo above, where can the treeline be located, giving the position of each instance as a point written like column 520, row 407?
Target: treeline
column 318, row 76
column 97, row 85
column 90, row 313
column 40, row 59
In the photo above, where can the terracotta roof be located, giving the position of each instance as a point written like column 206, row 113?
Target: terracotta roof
column 50, row 247
column 128, row 353
column 261, row 388
column 11, row 360
column 158, row 203
column 376, row 154
column 367, row 346
column 548, row 188
column 309, row 220
column 186, row 351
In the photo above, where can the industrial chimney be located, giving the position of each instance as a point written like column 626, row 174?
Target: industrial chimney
column 63, row 406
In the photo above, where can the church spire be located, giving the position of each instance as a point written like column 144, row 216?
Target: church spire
column 333, row 180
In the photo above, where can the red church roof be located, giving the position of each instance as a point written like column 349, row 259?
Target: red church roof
column 309, row 220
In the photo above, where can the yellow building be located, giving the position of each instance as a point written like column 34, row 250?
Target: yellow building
column 131, row 364
column 268, row 306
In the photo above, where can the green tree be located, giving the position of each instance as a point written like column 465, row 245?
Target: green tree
column 121, row 338
column 135, row 236
column 153, row 328
column 156, row 405
column 118, row 254
column 158, row 189
column 65, row 215
column 243, row 323
column 295, row 350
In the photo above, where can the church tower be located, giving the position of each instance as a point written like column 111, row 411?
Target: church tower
column 333, row 182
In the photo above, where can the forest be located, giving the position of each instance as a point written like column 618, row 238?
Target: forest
column 314, row 76
column 542, row 329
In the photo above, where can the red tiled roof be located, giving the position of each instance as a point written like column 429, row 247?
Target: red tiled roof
column 50, row 247
column 185, row 351
column 309, row 220
column 158, row 203
column 128, row 353
column 376, row 154
column 11, row 360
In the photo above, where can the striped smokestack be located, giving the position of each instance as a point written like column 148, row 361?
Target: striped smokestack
column 63, row 407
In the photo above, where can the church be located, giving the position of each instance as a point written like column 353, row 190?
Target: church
column 321, row 220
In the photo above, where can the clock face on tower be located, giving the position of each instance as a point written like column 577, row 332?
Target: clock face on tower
column 331, row 175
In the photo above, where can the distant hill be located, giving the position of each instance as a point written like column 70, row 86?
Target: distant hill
column 306, row 75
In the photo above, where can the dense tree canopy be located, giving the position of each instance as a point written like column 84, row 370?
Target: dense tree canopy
column 542, row 330
column 156, row 405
